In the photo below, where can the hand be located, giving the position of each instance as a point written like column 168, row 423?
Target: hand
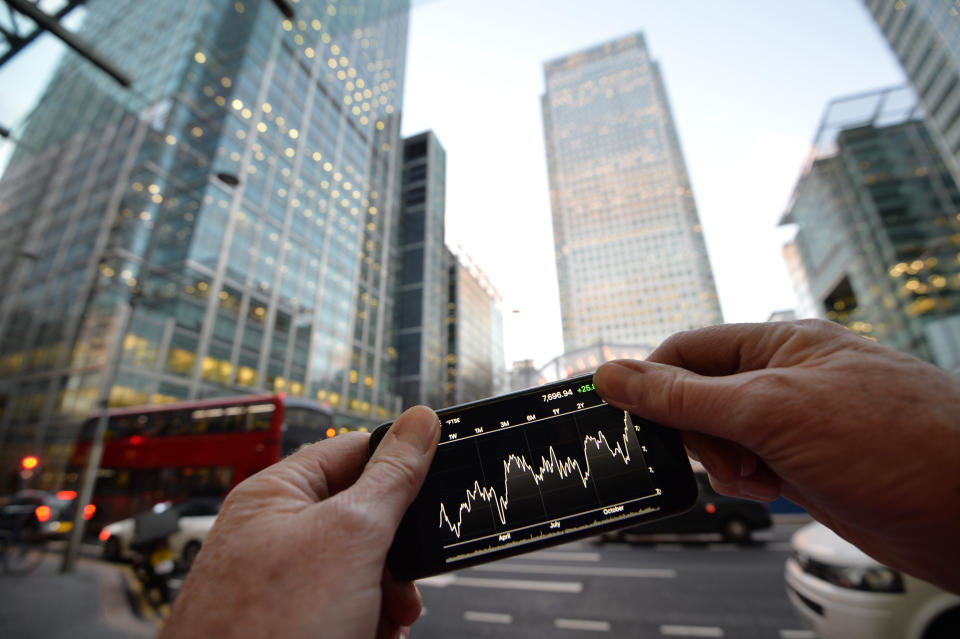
column 299, row 548
column 865, row 438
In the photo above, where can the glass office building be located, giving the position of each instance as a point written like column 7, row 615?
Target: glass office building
column 925, row 37
column 475, row 358
column 228, row 225
column 422, row 294
column 631, row 260
column 877, row 226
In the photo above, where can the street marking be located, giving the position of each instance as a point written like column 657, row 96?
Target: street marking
column 582, row 624
column 668, row 547
column 797, row 634
column 487, row 617
column 593, row 571
column 442, row 581
column 563, row 556
column 691, row 631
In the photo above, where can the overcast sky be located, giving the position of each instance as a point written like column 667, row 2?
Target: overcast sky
column 748, row 81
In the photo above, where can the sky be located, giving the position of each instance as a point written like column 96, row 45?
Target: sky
column 748, row 81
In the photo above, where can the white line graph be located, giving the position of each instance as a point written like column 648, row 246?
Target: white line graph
column 549, row 465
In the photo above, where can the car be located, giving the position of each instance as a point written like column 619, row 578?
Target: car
column 49, row 515
column 734, row 519
column 839, row 591
column 195, row 517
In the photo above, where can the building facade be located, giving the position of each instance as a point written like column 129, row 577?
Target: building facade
column 806, row 306
column 877, row 226
column 228, row 225
column 422, row 340
column 925, row 37
column 475, row 358
column 631, row 259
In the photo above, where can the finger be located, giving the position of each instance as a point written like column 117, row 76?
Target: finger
column 401, row 601
column 386, row 629
column 396, row 470
column 326, row 467
column 675, row 397
column 734, row 348
column 762, row 485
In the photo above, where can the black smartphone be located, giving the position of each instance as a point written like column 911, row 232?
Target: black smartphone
column 536, row 468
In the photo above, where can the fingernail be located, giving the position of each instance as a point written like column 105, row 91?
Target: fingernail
column 417, row 426
column 613, row 382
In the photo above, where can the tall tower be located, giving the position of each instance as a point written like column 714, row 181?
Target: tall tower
column 925, row 37
column 422, row 328
column 631, row 260
column 226, row 226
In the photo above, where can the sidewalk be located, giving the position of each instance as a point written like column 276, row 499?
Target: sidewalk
column 89, row 603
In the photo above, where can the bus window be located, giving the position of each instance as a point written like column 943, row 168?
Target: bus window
column 259, row 416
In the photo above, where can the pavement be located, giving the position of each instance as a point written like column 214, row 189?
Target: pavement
column 94, row 601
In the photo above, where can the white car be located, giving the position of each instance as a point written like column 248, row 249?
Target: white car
column 841, row 592
column 196, row 517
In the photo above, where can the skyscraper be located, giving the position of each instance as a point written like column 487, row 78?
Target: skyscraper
column 877, row 226
column 229, row 222
column 925, row 37
column 475, row 358
column 631, row 260
column 422, row 294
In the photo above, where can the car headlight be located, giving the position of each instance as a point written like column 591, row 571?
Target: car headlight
column 870, row 579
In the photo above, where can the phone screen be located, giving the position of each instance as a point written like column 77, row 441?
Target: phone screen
column 535, row 468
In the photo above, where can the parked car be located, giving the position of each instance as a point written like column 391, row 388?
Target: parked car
column 841, row 592
column 49, row 515
column 195, row 516
column 734, row 519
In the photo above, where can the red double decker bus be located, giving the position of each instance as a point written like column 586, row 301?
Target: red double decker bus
column 169, row 452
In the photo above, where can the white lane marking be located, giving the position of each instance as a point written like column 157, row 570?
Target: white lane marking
column 582, row 624
column 563, row 556
column 423, row 611
column 594, row 571
column 487, row 617
column 691, row 631
column 798, row 634
column 437, row 581
column 668, row 547
column 442, row 581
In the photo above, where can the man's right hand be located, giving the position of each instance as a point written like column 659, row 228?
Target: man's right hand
column 865, row 438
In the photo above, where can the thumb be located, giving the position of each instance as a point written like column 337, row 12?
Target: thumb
column 669, row 395
column 396, row 470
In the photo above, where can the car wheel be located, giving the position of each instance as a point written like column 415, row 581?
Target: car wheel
column 735, row 530
column 945, row 626
column 111, row 549
column 190, row 553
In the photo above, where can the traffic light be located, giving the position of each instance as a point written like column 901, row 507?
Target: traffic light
column 30, row 462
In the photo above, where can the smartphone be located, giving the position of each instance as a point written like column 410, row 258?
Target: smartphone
column 536, row 468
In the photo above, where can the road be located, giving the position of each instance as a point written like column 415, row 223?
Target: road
column 653, row 589
column 660, row 588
